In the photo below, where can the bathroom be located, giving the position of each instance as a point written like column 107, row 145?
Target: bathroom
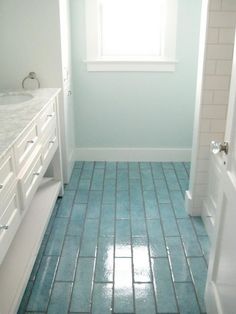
column 119, row 204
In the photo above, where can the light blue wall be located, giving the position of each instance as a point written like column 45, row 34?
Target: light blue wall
column 139, row 109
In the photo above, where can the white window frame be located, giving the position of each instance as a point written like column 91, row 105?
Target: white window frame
column 95, row 62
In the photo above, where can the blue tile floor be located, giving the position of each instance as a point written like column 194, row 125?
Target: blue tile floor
column 120, row 241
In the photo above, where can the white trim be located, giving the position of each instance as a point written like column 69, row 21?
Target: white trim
column 131, row 65
column 188, row 202
column 132, row 154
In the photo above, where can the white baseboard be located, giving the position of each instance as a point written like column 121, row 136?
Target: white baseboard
column 133, row 154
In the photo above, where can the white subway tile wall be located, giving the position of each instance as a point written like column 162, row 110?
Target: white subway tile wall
column 217, row 73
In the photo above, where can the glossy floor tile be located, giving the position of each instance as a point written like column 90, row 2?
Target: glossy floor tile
column 120, row 241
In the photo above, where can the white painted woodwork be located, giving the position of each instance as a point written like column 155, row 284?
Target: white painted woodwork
column 221, row 282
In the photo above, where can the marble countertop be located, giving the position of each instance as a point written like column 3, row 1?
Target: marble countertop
column 15, row 118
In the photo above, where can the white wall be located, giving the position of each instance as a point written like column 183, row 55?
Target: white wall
column 212, row 110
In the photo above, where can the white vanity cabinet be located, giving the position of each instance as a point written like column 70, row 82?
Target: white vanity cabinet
column 27, row 197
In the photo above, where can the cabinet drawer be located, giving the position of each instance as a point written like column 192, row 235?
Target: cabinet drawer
column 30, row 180
column 10, row 219
column 46, row 117
column 26, row 145
column 7, row 173
column 50, row 145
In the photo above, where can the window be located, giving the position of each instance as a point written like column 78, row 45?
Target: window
column 131, row 35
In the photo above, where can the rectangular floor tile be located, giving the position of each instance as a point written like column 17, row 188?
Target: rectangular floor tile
column 186, row 298
column 67, row 263
column 109, row 192
column 198, row 271
column 171, row 179
column 122, row 180
column 89, row 239
column 141, row 262
column 156, row 239
column 76, row 222
column 161, row 191
column 123, row 289
column 82, row 289
column 122, row 205
column 191, row 245
column 168, row 220
column 107, row 226
column 123, row 238
column 144, row 299
column 138, row 228
column 151, row 207
column 94, row 204
column 102, row 298
column 41, row 291
column 178, row 204
column 104, row 264
column 205, row 246
column 74, row 180
column 97, row 180
column 147, row 180
column 65, row 206
column 199, row 226
column 164, row 289
column 56, row 238
column 157, row 171
column 60, row 299
column 178, row 263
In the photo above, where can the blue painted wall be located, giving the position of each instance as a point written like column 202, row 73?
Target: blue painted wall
column 139, row 109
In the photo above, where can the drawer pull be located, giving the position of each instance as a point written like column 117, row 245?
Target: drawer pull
column 1, row 186
column 52, row 142
column 36, row 173
column 4, row 227
column 30, row 141
column 50, row 115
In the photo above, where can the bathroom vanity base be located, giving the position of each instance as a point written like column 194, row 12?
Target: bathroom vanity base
column 18, row 263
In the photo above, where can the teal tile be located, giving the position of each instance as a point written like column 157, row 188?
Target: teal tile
column 147, row 180
column 78, row 164
column 180, row 170
column 171, row 179
column 87, row 170
column 134, row 172
column 97, row 180
column 189, row 238
column 104, row 264
column 205, row 246
column 107, row 226
column 156, row 239
column 150, row 203
column 94, row 204
column 109, row 192
column 123, row 289
column 65, row 206
column 110, row 171
column 122, row 205
column 68, row 260
column 137, row 212
column 186, row 298
column 199, row 226
column 144, row 299
column 82, row 197
column 144, row 165
column 41, row 291
column 82, row 289
column 157, row 171
column 123, row 238
column 102, row 298
column 178, row 263
column 141, row 264
column 100, row 164
column 122, row 165
column 122, row 180
column 164, row 290
column 138, row 228
column 198, row 271
column 76, row 222
column 178, row 204
column 74, row 180
column 60, row 299
column 161, row 191
column 25, row 298
column 168, row 220
column 184, row 183
column 89, row 240
column 167, row 165
column 56, row 238
column 39, row 257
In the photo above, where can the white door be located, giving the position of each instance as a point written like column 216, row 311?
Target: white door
column 221, row 281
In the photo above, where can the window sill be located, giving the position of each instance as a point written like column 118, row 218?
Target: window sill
column 131, row 65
